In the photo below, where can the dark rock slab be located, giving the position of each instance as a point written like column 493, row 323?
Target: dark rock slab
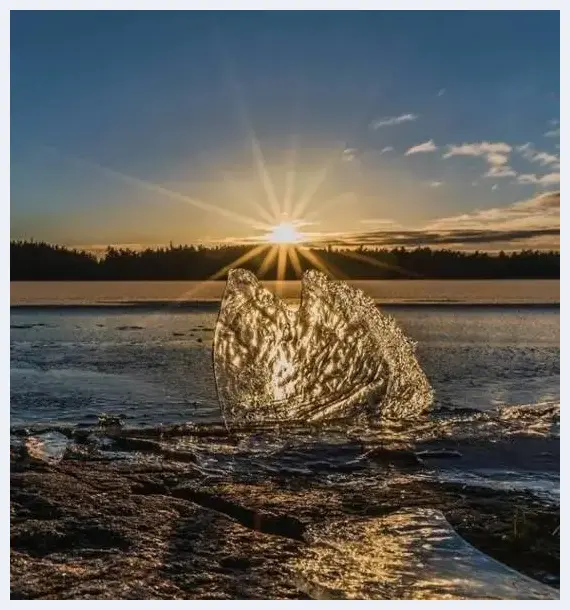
column 99, row 532
column 158, row 528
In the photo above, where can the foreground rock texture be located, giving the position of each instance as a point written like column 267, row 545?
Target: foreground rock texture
column 95, row 529
column 109, row 535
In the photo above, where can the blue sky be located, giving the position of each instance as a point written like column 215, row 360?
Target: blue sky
column 146, row 127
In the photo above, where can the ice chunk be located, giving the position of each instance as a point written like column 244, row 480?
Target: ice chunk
column 48, row 447
column 412, row 554
column 334, row 356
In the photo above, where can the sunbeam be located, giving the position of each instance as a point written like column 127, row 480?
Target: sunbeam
column 295, row 261
column 264, row 176
column 269, row 259
column 290, row 178
column 281, row 265
column 258, row 159
column 320, row 265
column 233, row 187
column 376, row 263
column 157, row 188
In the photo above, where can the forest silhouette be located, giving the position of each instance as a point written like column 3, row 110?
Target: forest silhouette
column 31, row 260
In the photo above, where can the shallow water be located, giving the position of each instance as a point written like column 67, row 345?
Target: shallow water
column 155, row 367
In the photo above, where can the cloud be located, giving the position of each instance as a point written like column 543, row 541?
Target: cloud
column 424, row 147
column 393, row 120
column 533, row 222
column 349, row 154
column 436, row 183
column 380, row 222
column 500, row 171
column 468, row 239
column 495, row 153
column 540, row 212
column 386, row 149
column 494, row 187
column 554, row 122
column 441, row 92
column 497, row 159
column 526, row 150
column 544, row 158
column 553, row 133
column 478, row 149
column 546, row 179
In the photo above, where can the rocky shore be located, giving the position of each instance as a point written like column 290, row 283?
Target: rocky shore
column 90, row 527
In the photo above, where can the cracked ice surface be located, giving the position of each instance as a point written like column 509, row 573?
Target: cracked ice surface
column 336, row 356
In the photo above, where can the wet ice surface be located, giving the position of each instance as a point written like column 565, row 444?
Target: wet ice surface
column 325, row 359
column 412, row 554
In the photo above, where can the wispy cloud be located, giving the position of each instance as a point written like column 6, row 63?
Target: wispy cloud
column 500, row 171
column 424, row 147
column 553, row 133
column 526, row 150
column 478, row 149
column 393, row 120
column 377, row 222
column 436, row 183
column 496, row 154
column 540, row 212
column 546, row 179
column 349, row 154
column 441, row 92
column 494, row 187
column 386, row 149
column 534, row 221
column 544, row 158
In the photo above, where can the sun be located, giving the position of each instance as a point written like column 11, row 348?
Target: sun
column 284, row 233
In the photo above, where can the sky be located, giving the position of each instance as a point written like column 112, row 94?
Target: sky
column 379, row 128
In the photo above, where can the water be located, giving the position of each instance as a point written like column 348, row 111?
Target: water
column 154, row 366
column 498, row 292
column 69, row 366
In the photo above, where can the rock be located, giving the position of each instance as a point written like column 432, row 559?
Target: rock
column 397, row 457
column 73, row 538
column 153, row 527
column 438, row 454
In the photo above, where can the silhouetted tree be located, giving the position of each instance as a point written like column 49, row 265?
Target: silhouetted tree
column 31, row 260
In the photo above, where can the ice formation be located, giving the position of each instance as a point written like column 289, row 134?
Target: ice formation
column 334, row 356
column 410, row 554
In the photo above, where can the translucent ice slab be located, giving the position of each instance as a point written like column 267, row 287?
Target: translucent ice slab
column 412, row 554
column 335, row 356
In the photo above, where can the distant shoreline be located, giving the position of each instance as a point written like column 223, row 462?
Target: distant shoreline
column 39, row 261
column 215, row 304
column 206, row 296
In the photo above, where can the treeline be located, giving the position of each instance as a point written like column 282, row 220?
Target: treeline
column 30, row 260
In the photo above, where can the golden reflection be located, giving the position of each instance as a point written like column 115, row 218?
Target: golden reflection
column 412, row 554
